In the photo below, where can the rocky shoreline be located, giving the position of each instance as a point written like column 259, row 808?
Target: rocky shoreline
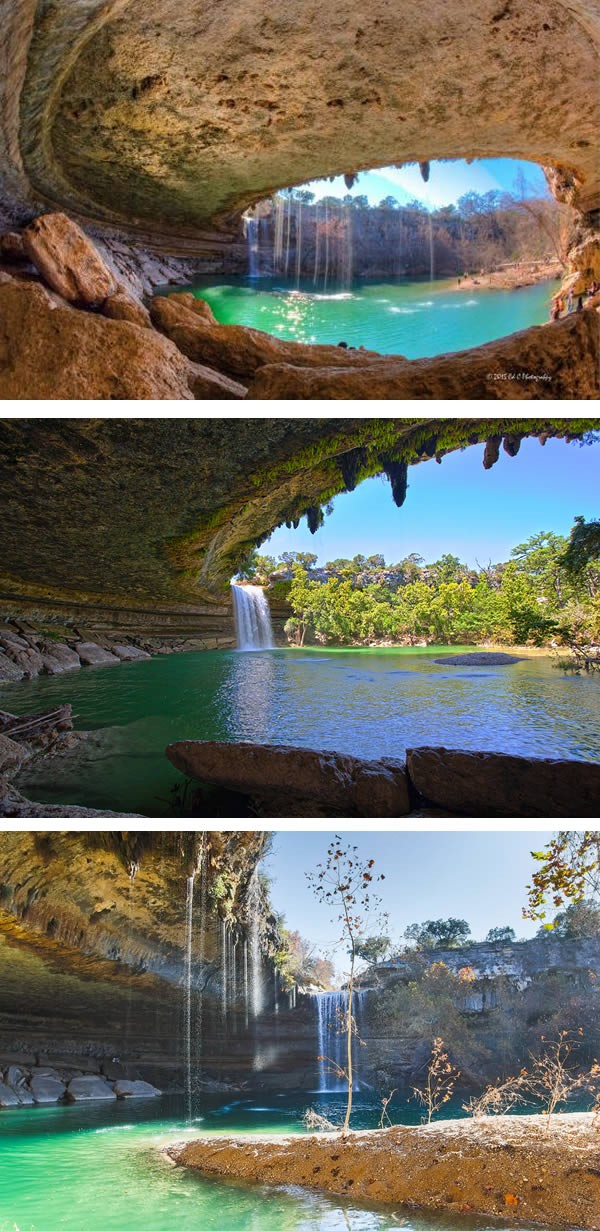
column 512, row 277
column 43, row 1086
column 518, row 1166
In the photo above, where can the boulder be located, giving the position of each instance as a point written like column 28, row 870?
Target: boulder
column 9, row 671
column 236, row 349
column 135, row 1089
column 90, row 1089
column 123, row 307
column 28, row 659
column 200, row 307
column 14, row 1075
column 206, row 383
column 347, row 784
column 58, row 657
column 499, row 784
column 129, row 653
column 67, row 259
column 49, row 352
column 8, row 1097
column 46, row 1089
column 92, row 655
column 11, row 247
column 12, row 756
column 478, row 659
column 547, row 361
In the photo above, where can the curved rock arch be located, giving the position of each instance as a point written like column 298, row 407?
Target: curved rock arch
column 154, row 515
column 166, row 115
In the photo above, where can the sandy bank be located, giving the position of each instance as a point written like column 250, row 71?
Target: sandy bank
column 501, row 1165
column 511, row 277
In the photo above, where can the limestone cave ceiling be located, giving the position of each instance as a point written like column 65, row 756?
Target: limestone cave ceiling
column 158, row 513
column 170, row 115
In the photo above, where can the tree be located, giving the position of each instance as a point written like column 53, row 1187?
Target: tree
column 570, row 869
column 306, row 559
column 373, row 948
column 501, row 936
column 440, row 1081
column 579, row 921
column 344, row 884
column 540, row 558
column 439, row 933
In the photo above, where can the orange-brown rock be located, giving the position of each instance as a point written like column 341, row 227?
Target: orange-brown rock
column 48, row 351
column 206, row 383
column 67, row 259
column 236, row 349
column 556, row 361
column 549, row 1170
column 199, row 306
column 349, row 785
column 123, row 307
column 497, row 784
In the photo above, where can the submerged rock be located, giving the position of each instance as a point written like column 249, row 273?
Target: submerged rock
column 272, row 772
column 498, row 784
column 67, row 259
column 479, row 658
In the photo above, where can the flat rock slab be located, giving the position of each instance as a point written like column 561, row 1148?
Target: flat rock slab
column 89, row 1089
column 129, row 653
column 270, row 771
column 478, row 659
column 498, row 784
column 135, row 1089
column 67, row 259
column 92, row 655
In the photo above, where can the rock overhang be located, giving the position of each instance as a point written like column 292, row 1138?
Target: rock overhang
column 165, row 116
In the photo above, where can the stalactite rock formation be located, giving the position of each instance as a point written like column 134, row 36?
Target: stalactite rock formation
column 180, row 501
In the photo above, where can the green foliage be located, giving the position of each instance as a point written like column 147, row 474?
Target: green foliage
column 501, row 936
column 579, row 921
column 373, row 948
column 439, row 933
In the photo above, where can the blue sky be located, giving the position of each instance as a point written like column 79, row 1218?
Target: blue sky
column 458, row 507
column 480, row 877
column 447, row 181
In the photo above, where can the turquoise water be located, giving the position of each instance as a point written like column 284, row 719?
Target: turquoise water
column 371, row 703
column 399, row 317
column 99, row 1169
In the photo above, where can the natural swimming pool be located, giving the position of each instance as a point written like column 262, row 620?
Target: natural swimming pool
column 370, row 703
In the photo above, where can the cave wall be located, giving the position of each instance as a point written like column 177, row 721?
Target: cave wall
column 92, row 958
column 138, row 524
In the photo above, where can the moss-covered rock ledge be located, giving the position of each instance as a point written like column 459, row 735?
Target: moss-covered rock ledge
column 523, row 1166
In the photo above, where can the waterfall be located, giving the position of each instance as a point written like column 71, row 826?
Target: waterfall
column 326, row 245
column 252, row 234
column 431, row 253
column 224, row 972
column 298, row 241
column 287, row 234
column 252, row 618
column 254, row 919
column 348, row 246
column 317, row 245
column 201, row 951
column 187, row 1028
column 331, row 1009
column 278, row 233
column 246, row 985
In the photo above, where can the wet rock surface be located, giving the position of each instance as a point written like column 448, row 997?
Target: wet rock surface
column 479, row 658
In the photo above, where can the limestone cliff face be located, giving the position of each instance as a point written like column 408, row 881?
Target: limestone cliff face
column 139, row 524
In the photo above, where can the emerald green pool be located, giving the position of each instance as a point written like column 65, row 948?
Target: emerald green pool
column 371, row 703
column 398, row 317
column 98, row 1169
